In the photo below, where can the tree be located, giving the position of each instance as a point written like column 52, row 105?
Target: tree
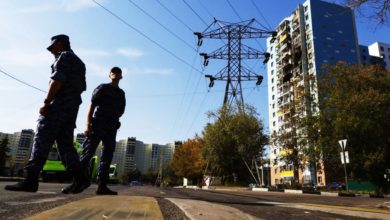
column 232, row 142
column 4, row 150
column 169, row 177
column 355, row 105
column 130, row 175
column 379, row 9
column 187, row 160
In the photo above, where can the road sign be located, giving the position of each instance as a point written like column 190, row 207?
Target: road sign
column 343, row 144
column 346, row 157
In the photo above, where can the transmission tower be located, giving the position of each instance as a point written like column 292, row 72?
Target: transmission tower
column 234, row 52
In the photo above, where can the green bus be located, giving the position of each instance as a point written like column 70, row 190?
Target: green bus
column 54, row 169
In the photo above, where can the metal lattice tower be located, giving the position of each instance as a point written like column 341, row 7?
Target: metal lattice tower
column 234, row 52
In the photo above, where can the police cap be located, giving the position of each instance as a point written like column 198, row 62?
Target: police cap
column 58, row 38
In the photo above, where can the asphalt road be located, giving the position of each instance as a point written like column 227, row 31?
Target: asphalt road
column 263, row 205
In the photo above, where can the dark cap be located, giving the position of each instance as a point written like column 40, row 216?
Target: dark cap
column 57, row 38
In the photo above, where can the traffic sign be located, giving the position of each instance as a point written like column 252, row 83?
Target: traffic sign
column 343, row 144
column 346, row 157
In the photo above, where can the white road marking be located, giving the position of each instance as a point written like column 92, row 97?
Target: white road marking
column 47, row 192
column 36, row 201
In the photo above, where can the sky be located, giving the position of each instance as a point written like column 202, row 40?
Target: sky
column 152, row 41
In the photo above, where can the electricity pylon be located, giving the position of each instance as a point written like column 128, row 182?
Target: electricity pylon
column 234, row 52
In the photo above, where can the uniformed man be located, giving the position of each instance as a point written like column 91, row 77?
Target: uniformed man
column 57, row 118
column 108, row 105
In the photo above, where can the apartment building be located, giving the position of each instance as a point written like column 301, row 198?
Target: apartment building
column 381, row 50
column 20, row 145
column 317, row 33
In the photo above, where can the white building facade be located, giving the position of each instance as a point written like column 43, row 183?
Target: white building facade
column 316, row 33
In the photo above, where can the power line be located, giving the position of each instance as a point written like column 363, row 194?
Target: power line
column 147, row 37
column 234, row 10
column 27, row 84
column 205, row 8
column 167, row 29
column 177, row 18
column 189, row 106
column 189, row 6
column 197, row 113
column 184, row 95
column 261, row 14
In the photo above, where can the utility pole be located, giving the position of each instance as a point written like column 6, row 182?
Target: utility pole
column 234, row 51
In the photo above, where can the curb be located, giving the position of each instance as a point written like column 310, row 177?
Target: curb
column 330, row 194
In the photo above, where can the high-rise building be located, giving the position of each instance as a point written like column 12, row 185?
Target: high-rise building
column 80, row 137
column 143, row 157
column 381, row 50
column 366, row 58
column 316, row 33
column 20, row 145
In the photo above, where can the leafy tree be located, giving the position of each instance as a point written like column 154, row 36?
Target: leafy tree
column 131, row 175
column 380, row 9
column 170, row 178
column 355, row 105
column 187, row 161
column 4, row 150
column 232, row 142
column 150, row 176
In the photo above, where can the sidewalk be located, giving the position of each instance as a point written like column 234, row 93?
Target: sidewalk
column 138, row 207
column 105, row 207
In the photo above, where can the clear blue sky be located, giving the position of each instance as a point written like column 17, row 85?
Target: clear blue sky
column 166, row 100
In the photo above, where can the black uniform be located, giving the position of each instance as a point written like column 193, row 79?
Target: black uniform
column 59, row 122
column 110, row 104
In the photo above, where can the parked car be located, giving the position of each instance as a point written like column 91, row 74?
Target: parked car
column 135, row 183
column 335, row 186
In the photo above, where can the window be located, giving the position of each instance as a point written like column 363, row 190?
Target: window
column 274, row 123
column 272, row 80
column 305, row 8
column 307, row 26
column 272, row 73
column 272, row 64
column 273, row 106
column 365, row 58
column 307, row 17
column 310, row 55
column 273, row 97
column 273, row 114
column 382, row 49
column 273, row 88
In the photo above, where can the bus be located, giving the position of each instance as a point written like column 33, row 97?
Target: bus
column 54, row 169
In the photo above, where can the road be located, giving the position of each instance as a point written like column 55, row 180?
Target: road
column 261, row 205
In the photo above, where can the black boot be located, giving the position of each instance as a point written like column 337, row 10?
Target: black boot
column 104, row 190
column 80, row 182
column 29, row 184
